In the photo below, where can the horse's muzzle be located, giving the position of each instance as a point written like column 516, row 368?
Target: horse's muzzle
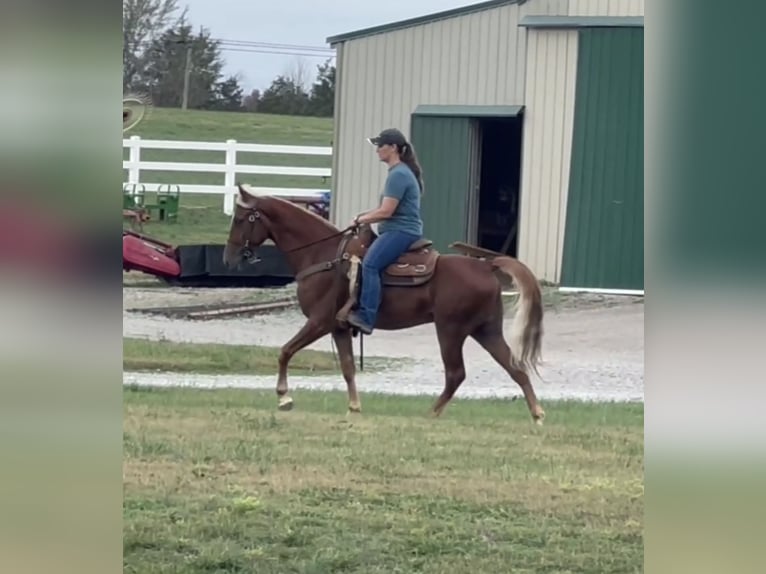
column 234, row 257
column 249, row 256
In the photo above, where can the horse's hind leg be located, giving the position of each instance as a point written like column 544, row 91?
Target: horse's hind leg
column 346, row 353
column 309, row 333
column 490, row 336
column 451, row 344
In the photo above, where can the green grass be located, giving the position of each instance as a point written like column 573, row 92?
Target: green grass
column 168, row 356
column 201, row 218
column 219, row 481
column 177, row 124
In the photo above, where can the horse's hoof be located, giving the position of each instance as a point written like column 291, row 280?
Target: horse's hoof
column 354, row 411
column 285, row 404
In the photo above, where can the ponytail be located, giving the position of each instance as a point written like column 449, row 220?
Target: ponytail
column 408, row 157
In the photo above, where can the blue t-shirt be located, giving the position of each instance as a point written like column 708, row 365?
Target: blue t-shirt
column 402, row 184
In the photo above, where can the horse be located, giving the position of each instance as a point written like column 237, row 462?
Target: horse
column 460, row 294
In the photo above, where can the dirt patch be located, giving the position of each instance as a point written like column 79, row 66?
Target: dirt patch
column 593, row 346
column 149, row 296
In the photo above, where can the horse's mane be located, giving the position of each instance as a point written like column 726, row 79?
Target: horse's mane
column 296, row 209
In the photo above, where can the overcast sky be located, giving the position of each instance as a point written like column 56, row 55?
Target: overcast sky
column 301, row 22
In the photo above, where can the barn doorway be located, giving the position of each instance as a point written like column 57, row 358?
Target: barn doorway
column 471, row 157
column 499, row 183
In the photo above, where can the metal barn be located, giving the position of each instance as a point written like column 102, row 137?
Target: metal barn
column 527, row 117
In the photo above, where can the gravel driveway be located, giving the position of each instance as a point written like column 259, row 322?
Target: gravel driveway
column 590, row 352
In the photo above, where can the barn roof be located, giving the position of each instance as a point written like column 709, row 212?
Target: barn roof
column 420, row 20
column 569, row 22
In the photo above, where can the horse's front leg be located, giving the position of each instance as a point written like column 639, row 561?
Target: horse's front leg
column 309, row 333
column 346, row 354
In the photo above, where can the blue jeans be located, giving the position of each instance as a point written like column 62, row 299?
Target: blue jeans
column 384, row 251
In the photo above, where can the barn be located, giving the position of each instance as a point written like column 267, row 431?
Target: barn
column 527, row 117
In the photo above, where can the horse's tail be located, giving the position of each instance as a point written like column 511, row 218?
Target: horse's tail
column 527, row 329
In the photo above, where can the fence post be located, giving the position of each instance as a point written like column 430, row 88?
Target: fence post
column 134, row 172
column 230, row 177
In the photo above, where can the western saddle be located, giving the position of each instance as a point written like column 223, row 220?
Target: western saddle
column 414, row 267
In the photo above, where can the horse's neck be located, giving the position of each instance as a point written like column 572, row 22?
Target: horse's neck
column 295, row 233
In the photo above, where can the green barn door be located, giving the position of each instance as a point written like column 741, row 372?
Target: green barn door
column 604, row 239
column 443, row 146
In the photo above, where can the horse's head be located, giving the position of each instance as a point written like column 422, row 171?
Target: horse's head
column 249, row 229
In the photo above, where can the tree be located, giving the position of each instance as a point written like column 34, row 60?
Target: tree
column 284, row 96
column 227, row 96
column 323, row 91
column 252, row 102
column 142, row 22
column 287, row 94
column 167, row 59
column 298, row 73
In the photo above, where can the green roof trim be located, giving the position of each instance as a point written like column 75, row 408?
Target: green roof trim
column 565, row 22
column 467, row 111
column 420, row 20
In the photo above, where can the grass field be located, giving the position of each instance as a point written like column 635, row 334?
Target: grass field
column 168, row 356
column 221, row 482
column 201, row 218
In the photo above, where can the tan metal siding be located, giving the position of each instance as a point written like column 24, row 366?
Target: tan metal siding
column 548, row 121
column 606, row 7
column 547, row 8
column 477, row 59
column 336, row 120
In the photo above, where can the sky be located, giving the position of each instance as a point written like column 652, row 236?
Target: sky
column 294, row 22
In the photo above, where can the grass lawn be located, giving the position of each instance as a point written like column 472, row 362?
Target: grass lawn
column 201, row 218
column 168, row 356
column 219, row 481
column 200, row 125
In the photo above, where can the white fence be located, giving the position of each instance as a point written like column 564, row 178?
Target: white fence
column 229, row 168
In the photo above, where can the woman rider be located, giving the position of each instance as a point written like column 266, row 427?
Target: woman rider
column 399, row 221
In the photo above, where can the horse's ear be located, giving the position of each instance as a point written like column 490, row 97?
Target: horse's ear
column 246, row 198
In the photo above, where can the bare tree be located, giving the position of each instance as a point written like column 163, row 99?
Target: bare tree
column 252, row 101
column 298, row 72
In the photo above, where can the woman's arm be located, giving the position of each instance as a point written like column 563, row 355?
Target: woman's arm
column 386, row 210
column 396, row 185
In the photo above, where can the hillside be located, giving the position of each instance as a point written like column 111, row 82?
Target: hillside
column 201, row 218
column 176, row 124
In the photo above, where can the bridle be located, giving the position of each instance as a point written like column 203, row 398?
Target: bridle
column 246, row 252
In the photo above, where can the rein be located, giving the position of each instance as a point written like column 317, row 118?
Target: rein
column 318, row 241
column 256, row 215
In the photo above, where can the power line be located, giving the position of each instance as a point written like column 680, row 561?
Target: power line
column 255, row 51
column 256, row 46
column 247, row 43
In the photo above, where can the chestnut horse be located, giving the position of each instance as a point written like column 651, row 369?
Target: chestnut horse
column 462, row 297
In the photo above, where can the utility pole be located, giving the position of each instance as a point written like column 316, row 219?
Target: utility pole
column 187, row 73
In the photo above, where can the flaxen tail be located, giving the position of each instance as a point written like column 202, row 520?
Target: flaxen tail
column 527, row 329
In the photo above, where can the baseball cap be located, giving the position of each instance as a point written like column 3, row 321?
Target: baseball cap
column 390, row 136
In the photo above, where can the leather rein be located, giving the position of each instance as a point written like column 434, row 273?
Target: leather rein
column 247, row 252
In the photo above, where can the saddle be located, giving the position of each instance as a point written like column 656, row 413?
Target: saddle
column 413, row 268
